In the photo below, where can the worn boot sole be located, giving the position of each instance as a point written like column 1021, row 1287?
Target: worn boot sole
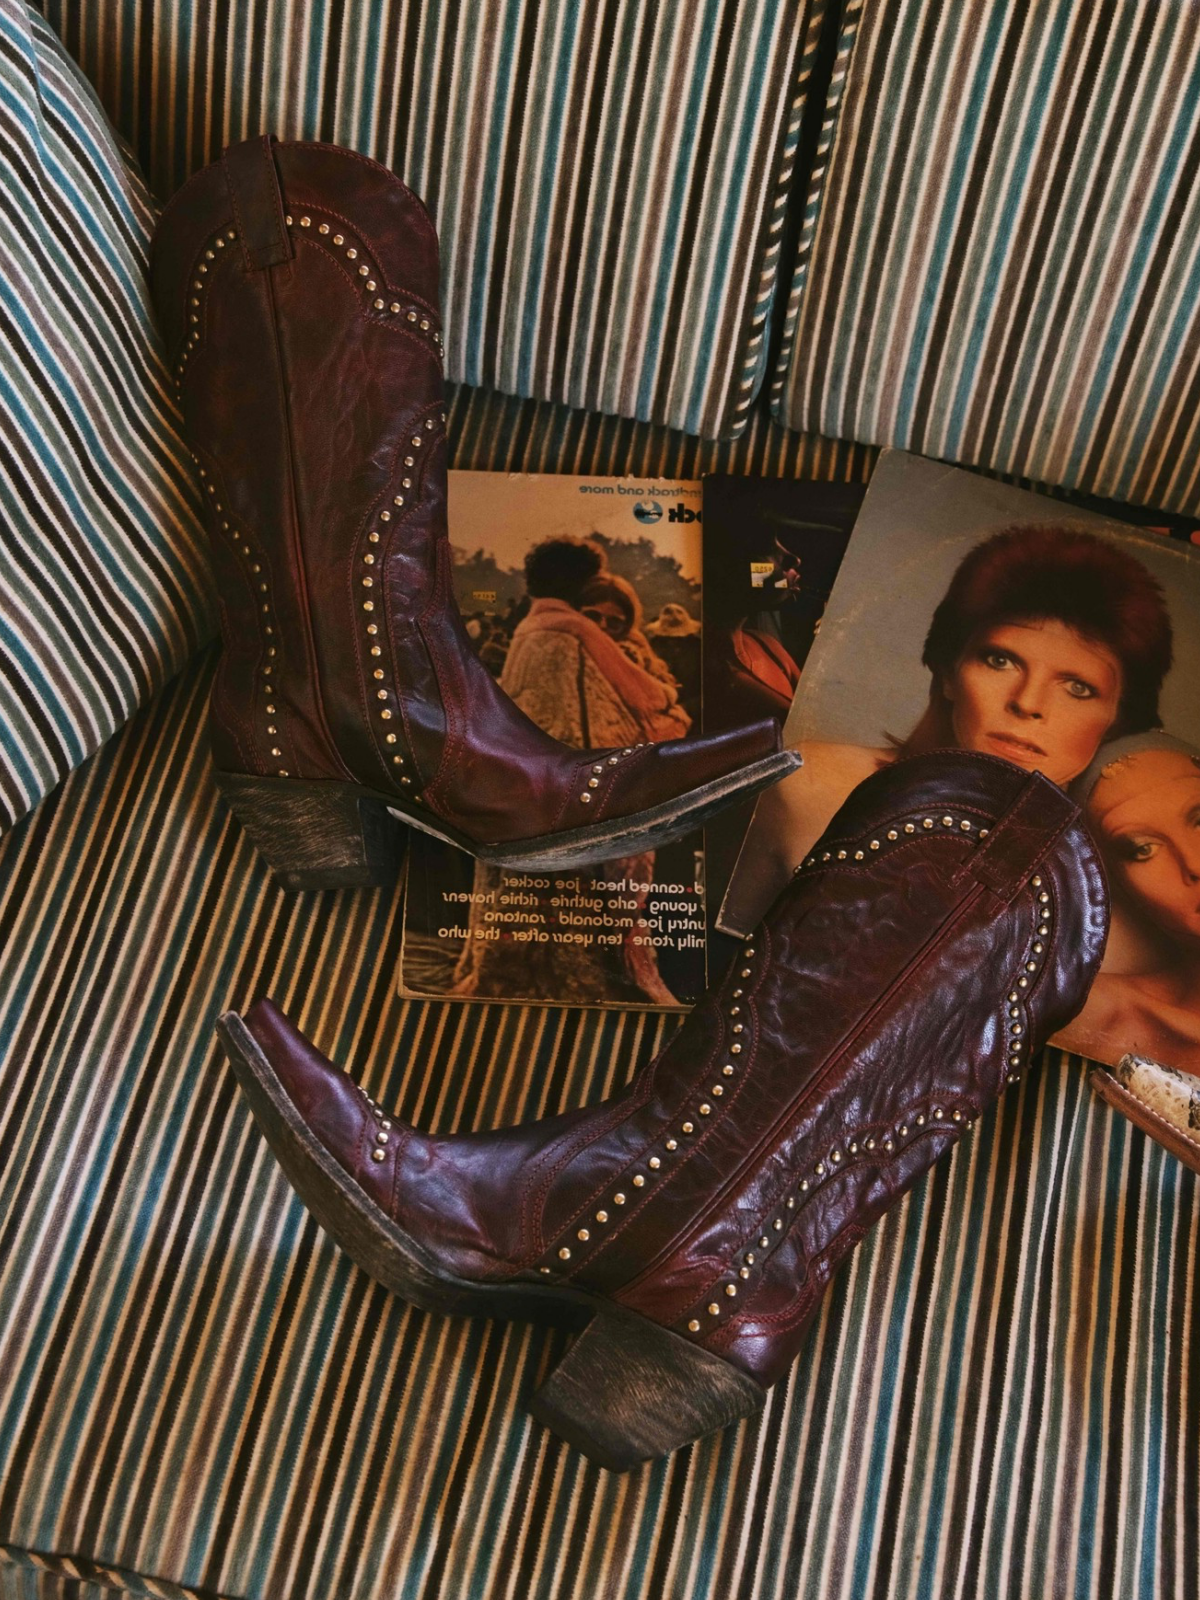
column 343, row 836
column 626, row 1392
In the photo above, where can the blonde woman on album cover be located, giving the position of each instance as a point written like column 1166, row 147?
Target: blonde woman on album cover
column 1049, row 642
column 1141, row 797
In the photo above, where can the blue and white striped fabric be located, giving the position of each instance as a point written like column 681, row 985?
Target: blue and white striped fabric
column 104, row 587
column 998, row 259
column 609, row 179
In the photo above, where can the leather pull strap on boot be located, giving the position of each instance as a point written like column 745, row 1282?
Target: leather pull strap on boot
column 950, row 920
column 297, row 291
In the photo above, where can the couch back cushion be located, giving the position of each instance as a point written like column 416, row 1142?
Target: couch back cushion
column 104, row 583
column 609, row 181
column 998, row 261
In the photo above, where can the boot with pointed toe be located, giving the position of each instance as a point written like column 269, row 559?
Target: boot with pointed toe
column 950, row 921
column 296, row 286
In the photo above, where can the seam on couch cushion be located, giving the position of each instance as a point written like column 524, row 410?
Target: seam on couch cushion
column 818, row 180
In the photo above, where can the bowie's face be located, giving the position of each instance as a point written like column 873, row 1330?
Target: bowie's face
column 1036, row 693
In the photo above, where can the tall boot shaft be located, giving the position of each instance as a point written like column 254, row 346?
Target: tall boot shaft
column 297, row 290
column 302, row 399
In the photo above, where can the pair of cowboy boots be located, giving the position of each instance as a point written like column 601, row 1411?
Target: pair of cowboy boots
column 949, row 921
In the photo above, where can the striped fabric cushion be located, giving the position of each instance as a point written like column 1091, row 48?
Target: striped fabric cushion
column 997, row 260
column 103, row 581
column 198, row 1388
column 609, row 180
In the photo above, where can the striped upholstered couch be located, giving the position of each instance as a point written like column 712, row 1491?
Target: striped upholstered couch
column 691, row 236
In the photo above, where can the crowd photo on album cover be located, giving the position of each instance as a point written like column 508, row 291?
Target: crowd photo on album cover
column 595, row 635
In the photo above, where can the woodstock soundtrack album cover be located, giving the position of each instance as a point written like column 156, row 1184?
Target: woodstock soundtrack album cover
column 583, row 598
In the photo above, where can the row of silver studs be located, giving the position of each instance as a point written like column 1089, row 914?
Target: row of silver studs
column 686, row 1128
column 383, row 1126
column 920, row 825
column 417, row 315
column 258, row 583
column 219, row 241
column 943, row 1119
column 1016, row 1032
column 609, row 761
column 370, row 560
column 1017, row 1018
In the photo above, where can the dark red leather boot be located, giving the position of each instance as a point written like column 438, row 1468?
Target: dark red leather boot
column 297, row 290
column 949, row 921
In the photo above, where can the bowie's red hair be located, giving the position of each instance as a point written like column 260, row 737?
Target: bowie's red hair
column 1051, row 572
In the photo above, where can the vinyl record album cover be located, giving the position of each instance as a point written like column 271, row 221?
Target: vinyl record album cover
column 967, row 613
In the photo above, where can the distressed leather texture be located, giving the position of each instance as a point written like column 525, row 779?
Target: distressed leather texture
column 308, row 359
column 950, row 920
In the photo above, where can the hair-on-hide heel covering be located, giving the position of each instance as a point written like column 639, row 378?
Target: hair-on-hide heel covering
column 318, row 835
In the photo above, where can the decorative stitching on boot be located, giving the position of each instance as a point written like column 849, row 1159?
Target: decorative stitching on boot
column 253, row 564
column 406, row 313
column 232, row 723
column 380, row 1125
column 604, row 761
column 1015, row 1028
column 819, row 1270
column 448, row 672
column 904, row 828
column 423, row 217
column 204, row 263
column 664, row 1155
column 532, row 1203
column 384, row 523
column 873, row 1146
column 916, row 1123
